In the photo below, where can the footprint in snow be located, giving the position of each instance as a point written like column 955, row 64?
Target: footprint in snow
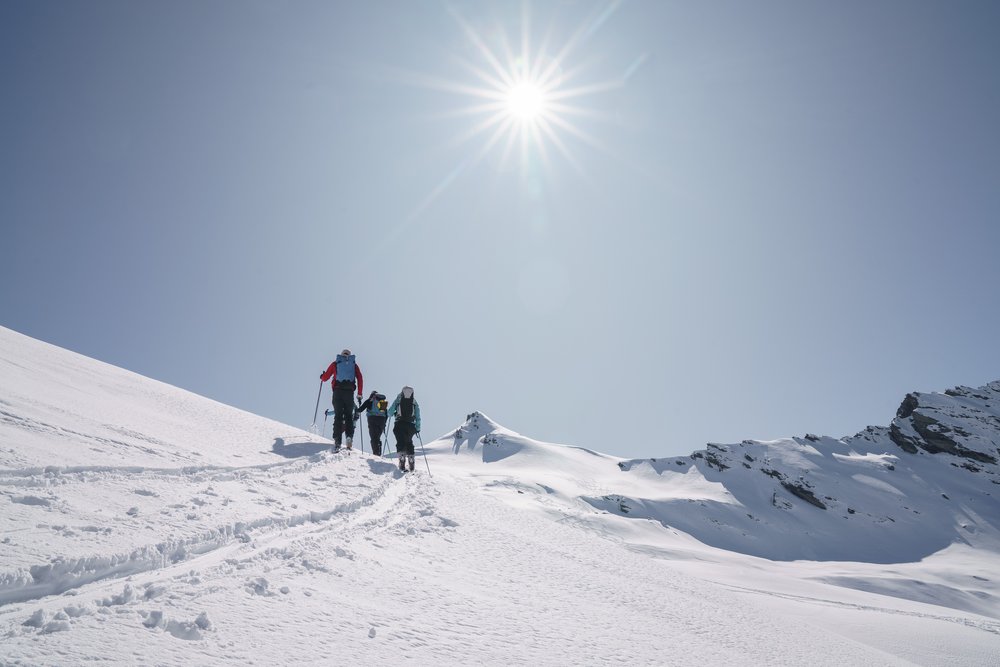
column 32, row 500
column 187, row 630
column 259, row 586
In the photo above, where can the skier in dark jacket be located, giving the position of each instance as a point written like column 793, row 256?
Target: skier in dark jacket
column 406, row 410
column 346, row 375
column 378, row 410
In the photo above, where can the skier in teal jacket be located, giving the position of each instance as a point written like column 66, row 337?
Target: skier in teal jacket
column 406, row 410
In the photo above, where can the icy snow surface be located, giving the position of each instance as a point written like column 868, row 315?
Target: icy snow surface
column 142, row 524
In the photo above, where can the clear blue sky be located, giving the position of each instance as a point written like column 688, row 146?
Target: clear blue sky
column 749, row 220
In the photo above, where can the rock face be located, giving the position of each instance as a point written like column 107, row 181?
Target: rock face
column 963, row 422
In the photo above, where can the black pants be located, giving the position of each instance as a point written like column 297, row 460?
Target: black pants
column 404, row 432
column 376, row 426
column 343, row 410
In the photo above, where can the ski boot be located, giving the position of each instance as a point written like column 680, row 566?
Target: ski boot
column 409, row 460
column 350, row 442
column 402, row 463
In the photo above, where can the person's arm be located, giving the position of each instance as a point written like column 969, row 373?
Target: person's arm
column 364, row 406
column 360, row 378
column 416, row 415
column 330, row 372
column 394, row 407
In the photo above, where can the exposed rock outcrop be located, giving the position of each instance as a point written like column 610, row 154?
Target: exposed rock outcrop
column 962, row 422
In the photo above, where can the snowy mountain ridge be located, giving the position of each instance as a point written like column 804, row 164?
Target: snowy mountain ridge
column 145, row 524
column 886, row 494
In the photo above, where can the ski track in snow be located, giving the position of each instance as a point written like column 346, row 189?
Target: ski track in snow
column 57, row 578
column 984, row 625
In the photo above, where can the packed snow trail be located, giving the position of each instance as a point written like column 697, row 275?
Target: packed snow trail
column 428, row 570
column 244, row 496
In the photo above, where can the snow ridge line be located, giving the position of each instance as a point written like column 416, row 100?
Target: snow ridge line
column 63, row 575
column 10, row 477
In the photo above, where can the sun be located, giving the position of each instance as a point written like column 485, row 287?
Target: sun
column 525, row 95
column 526, row 101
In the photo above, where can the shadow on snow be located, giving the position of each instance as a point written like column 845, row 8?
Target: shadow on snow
column 296, row 450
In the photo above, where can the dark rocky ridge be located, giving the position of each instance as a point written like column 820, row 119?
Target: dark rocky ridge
column 962, row 422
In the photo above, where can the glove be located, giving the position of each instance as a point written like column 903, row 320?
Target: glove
column 359, row 401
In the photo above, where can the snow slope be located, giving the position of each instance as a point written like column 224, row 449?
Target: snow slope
column 146, row 525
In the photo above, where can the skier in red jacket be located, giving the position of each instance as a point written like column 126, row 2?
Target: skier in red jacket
column 347, row 378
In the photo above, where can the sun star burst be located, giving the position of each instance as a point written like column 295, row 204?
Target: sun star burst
column 528, row 97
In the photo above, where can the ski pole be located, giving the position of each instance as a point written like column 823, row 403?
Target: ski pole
column 316, row 411
column 387, row 424
column 425, row 454
column 384, row 438
column 362, row 427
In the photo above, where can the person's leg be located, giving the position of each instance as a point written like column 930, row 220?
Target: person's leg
column 410, row 432
column 399, row 430
column 338, row 419
column 349, row 413
column 376, row 426
column 343, row 406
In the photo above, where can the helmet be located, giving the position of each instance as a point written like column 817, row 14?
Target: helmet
column 346, row 352
column 407, row 392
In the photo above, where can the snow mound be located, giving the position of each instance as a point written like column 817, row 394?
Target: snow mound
column 482, row 437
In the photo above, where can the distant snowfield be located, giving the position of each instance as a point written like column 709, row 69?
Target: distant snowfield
column 144, row 524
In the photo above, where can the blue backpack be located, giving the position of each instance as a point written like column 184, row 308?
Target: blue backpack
column 345, row 368
column 380, row 406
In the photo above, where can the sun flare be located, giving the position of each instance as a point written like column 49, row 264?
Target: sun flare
column 526, row 101
column 526, row 95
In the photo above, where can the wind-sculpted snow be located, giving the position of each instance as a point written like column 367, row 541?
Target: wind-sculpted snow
column 146, row 525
